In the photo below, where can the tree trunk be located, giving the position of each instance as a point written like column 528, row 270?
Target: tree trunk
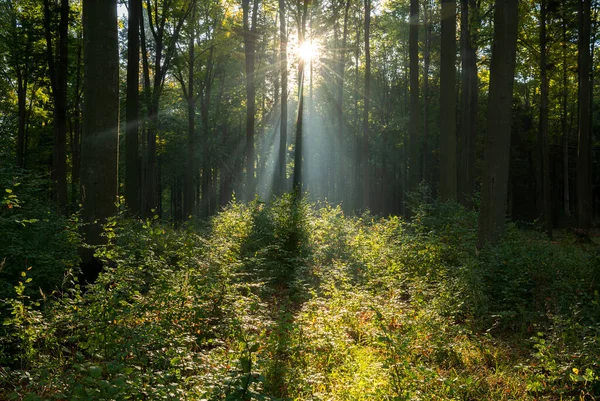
column 543, row 128
column 564, row 126
column 100, row 140
column 281, row 165
column 413, row 50
column 367, row 111
column 492, row 213
column 58, row 70
column 298, row 153
column 448, row 168
column 468, row 128
column 132, row 107
column 22, row 122
column 250, row 34
column 188, row 188
column 206, row 165
column 341, row 128
column 584, row 143
column 76, row 139
column 425, row 168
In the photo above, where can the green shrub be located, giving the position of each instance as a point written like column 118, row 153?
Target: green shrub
column 33, row 235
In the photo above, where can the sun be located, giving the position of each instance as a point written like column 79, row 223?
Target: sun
column 308, row 51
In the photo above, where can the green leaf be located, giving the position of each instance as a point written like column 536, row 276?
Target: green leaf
column 95, row 372
column 246, row 365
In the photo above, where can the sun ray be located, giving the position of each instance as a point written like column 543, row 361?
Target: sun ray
column 308, row 51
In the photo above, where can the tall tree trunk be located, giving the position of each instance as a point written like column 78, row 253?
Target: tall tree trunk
column 341, row 128
column 543, row 128
column 22, row 119
column 206, row 165
column 425, row 168
column 58, row 69
column 188, row 188
column 564, row 125
column 100, row 140
column 492, row 213
column 250, row 34
column 132, row 106
column 298, row 151
column 366, row 181
column 281, row 165
column 76, row 139
column 448, row 168
column 413, row 55
column 584, row 143
column 468, row 129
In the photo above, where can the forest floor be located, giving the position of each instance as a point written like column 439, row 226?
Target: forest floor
column 289, row 302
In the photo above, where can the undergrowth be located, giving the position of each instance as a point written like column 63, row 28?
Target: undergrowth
column 289, row 301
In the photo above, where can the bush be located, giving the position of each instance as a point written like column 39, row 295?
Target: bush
column 33, row 236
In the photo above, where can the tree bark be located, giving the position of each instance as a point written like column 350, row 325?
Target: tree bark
column 206, row 165
column 281, row 165
column 584, row 143
column 132, row 107
column 425, row 168
column 448, row 168
column 366, row 181
column 564, row 125
column 100, row 140
column 76, row 138
column 250, row 34
column 298, row 152
column 188, row 188
column 413, row 50
column 468, row 115
column 58, row 70
column 492, row 213
column 543, row 125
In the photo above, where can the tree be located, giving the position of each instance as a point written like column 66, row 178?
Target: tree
column 100, row 140
column 584, row 143
column 543, row 124
column 20, row 46
column 468, row 116
column 58, row 70
column 132, row 157
column 132, row 106
column 448, row 169
column 250, row 36
column 413, row 54
column 492, row 212
column 367, row 109
column 298, row 153
column 165, row 21
column 425, row 168
column 281, row 173
column 564, row 113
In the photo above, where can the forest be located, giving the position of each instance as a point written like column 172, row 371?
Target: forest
column 299, row 200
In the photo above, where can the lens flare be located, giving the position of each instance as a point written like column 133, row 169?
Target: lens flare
column 308, row 51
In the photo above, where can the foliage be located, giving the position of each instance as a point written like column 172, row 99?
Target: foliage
column 34, row 235
column 283, row 300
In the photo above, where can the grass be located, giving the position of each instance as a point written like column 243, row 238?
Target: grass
column 286, row 301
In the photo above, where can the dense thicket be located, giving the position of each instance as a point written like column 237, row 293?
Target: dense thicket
column 284, row 301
